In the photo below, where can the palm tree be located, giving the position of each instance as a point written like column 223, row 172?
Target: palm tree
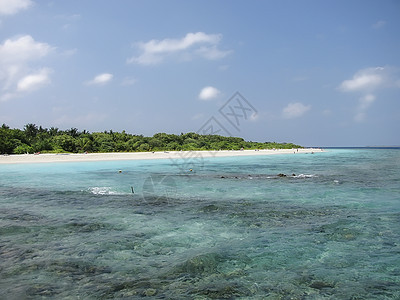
column 73, row 132
column 31, row 130
column 53, row 131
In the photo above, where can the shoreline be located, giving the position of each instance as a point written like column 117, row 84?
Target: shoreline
column 115, row 156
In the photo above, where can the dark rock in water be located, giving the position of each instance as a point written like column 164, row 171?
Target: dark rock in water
column 86, row 227
column 76, row 268
column 42, row 290
column 293, row 175
column 381, row 287
column 319, row 285
column 210, row 208
column 200, row 264
column 222, row 176
column 281, row 175
column 225, row 292
column 144, row 287
column 340, row 231
column 217, row 288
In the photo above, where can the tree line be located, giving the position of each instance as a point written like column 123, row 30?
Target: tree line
column 33, row 139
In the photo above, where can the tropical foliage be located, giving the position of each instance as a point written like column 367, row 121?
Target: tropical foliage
column 38, row 139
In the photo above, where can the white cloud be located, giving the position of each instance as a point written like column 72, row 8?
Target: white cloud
column 368, row 82
column 212, row 53
column 101, row 79
column 170, row 45
column 22, row 49
column 7, row 96
column 69, row 17
column 11, row 7
column 34, row 81
column 379, row 24
column 208, row 93
column 17, row 72
column 66, row 27
column 363, row 104
column 360, row 116
column 200, row 43
column 326, row 112
column 295, row 110
column 70, row 21
column 366, row 101
column 364, row 80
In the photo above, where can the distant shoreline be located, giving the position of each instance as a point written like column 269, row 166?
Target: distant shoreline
column 62, row 157
column 365, row 147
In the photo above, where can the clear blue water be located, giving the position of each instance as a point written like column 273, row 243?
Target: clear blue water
column 230, row 228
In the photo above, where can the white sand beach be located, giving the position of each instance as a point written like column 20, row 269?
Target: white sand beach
column 51, row 158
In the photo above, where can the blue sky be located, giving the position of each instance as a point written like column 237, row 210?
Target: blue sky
column 322, row 73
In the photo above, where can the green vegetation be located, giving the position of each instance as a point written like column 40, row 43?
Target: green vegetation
column 37, row 139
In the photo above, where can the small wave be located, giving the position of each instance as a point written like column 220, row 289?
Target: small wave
column 305, row 176
column 103, row 191
column 262, row 176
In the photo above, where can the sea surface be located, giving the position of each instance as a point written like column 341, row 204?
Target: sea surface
column 204, row 228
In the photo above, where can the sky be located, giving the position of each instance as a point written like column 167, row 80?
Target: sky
column 315, row 73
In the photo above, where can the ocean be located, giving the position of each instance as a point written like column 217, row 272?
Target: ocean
column 301, row 226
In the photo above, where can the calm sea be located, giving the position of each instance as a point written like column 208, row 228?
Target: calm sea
column 215, row 228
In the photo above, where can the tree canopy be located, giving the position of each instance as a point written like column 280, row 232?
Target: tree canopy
column 34, row 139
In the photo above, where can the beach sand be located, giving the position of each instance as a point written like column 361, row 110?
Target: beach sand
column 51, row 158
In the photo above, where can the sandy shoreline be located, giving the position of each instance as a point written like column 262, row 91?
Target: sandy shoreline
column 51, row 158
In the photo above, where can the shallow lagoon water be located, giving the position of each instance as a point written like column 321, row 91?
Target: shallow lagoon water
column 230, row 228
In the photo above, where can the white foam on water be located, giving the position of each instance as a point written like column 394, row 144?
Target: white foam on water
column 305, row 176
column 104, row 190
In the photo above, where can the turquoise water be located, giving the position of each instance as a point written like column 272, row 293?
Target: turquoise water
column 230, row 228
